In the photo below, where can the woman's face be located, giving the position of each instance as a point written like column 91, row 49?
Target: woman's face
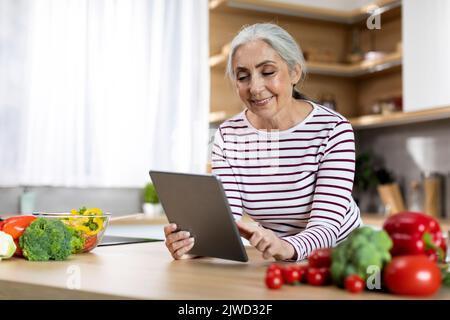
column 262, row 78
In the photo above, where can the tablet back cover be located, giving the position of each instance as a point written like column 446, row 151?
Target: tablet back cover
column 197, row 203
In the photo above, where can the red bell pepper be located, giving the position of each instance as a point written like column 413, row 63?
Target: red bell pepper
column 415, row 233
column 15, row 226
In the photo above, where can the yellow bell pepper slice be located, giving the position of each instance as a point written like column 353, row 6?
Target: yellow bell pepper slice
column 93, row 212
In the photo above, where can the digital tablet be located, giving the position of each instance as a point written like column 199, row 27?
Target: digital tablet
column 197, row 203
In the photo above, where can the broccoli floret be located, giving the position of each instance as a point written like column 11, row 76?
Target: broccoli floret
column 46, row 239
column 382, row 241
column 77, row 241
column 363, row 248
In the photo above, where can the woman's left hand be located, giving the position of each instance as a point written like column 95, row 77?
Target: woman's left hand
column 266, row 241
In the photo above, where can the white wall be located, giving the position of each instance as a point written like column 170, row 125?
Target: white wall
column 409, row 151
column 426, row 54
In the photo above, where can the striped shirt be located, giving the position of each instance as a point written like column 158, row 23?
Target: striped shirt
column 297, row 182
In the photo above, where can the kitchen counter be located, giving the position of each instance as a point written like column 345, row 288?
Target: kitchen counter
column 147, row 271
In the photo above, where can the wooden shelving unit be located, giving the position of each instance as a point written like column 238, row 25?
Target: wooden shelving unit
column 325, row 35
column 399, row 118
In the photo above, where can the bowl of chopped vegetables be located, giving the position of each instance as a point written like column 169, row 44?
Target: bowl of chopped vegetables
column 86, row 226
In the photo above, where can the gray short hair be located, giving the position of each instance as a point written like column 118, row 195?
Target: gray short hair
column 275, row 36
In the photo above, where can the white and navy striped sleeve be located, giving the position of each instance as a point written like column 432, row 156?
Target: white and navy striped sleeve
column 222, row 169
column 332, row 193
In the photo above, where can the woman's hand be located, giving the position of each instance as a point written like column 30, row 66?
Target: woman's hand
column 178, row 242
column 266, row 241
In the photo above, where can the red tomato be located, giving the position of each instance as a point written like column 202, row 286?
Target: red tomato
column 15, row 226
column 2, row 222
column 291, row 275
column 412, row 275
column 278, row 270
column 354, row 284
column 274, row 281
column 320, row 258
column 302, row 270
column 90, row 243
column 318, row 276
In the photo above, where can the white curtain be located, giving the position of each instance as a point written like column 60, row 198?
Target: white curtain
column 97, row 92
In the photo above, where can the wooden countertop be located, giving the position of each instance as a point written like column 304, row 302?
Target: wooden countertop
column 147, row 271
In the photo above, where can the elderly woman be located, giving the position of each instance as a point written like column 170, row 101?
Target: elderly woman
column 285, row 161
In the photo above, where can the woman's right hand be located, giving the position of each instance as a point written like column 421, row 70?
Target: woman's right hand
column 178, row 242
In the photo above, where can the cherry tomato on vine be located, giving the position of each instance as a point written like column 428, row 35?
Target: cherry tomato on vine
column 318, row 276
column 291, row 275
column 273, row 281
column 278, row 270
column 302, row 270
column 320, row 258
column 354, row 284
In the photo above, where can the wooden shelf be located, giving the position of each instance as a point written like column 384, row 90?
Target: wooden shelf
column 220, row 60
column 372, row 121
column 217, row 60
column 311, row 12
column 399, row 118
column 389, row 61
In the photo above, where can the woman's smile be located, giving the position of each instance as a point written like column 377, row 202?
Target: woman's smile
column 260, row 102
